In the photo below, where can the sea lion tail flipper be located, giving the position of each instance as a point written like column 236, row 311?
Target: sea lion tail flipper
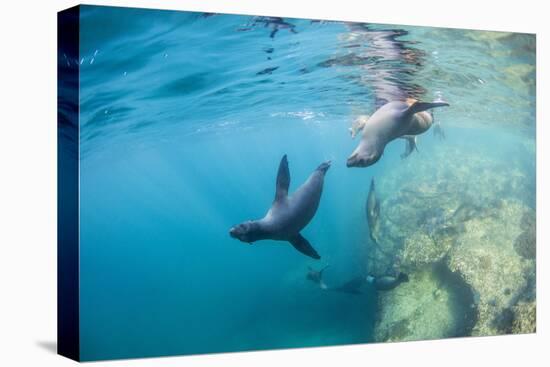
column 283, row 180
column 303, row 245
column 423, row 106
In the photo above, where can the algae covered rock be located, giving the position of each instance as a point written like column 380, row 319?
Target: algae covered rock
column 485, row 258
column 426, row 307
column 525, row 318
column 421, row 249
column 525, row 244
column 457, row 230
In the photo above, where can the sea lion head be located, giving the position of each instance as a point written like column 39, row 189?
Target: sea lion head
column 248, row 231
column 323, row 167
column 364, row 156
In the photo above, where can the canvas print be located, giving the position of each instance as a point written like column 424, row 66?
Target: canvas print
column 235, row 183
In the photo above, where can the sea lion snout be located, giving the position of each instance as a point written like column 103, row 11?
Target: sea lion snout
column 240, row 232
column 323, row 167
column 353, row 161
column 233, row 232
column 249, row 231
column 356, row 160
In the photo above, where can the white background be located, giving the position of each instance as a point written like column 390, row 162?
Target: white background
column 28, row 182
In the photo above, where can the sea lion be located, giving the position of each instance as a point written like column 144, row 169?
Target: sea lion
column 373, row 213
column 352, row 286
column 421, row 122
column 287, row 215
column 316, row 276
column 389, row 122
column 387, row 282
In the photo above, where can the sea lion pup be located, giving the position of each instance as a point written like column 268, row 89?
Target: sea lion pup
column 389, row 122
column 373, row 213
column 410, row 145
column 387, row 282
column 287, row 215
column 316, row 276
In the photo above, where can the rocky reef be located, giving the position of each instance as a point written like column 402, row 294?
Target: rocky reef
column 525, row 318
column 485, row 257
column 432, row 305
column 465, row 234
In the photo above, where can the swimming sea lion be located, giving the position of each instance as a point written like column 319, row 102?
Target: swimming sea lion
column 389, row 122
column 387, row 282
column 316, row 276
column 287, row 215
column 352, row 286
column 373, row 213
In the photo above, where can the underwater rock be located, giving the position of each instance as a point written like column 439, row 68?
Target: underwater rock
column 503, row 321
column 525, row 318
column 429, row 306
column 485, row 258
column 525, row 244
column 421, row 249
column 474, row 221
column 438, row 199
column 433, row 184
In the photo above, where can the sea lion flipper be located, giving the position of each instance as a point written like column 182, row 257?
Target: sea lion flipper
column 423, row 106
column 410, row 145
column 303, row 245
column 283, row 180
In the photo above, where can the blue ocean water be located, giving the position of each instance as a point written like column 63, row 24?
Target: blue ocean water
column 184, row 118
